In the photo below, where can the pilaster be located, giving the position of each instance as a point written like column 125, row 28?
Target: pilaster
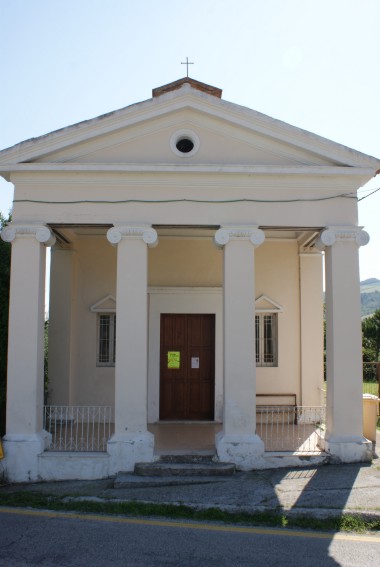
column 131, row 442
column 238, row 441
column 61, row 331
column 344, row 420
column 311, row 319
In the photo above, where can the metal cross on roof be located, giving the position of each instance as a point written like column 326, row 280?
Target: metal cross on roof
column 187, row 63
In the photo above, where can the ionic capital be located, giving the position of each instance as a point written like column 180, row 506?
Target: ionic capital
column 41, row 232
column 133, row 232
column 333, row 234
column 228, row 233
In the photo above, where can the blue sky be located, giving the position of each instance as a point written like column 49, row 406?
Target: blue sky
column 313, row 64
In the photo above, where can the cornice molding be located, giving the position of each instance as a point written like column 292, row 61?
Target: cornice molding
column 183, row 98
column 41, row 232
column 189, row 167
column 228, row 233
column 133, row 232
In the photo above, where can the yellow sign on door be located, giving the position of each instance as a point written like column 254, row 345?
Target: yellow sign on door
column 173, row 359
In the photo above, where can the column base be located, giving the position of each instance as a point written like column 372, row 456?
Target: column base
column 347, row 449
column 127, row 450
column 246, row 451
column 21, row 455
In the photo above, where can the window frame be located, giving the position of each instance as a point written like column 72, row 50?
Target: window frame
column 111, row 340
column 261, row 339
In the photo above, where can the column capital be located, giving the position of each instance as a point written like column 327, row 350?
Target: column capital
column 41, row 232
column 227, row 233
column 133, row 232
column 333, row 234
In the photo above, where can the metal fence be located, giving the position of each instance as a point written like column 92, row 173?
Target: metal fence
column 78, row 428
column 371, row 378
column 296, row 429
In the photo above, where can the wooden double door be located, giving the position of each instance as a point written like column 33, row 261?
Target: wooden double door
column 187, row 367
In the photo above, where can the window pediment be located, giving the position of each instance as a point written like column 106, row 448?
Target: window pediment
column 105, row 305
column 265, row 304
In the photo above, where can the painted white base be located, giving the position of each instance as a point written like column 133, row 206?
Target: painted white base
column 21, row 455
column 246, row 451
column 73, row 466
column 347, row 449
column 26, row 461
column 284, row 460
column 127, row 450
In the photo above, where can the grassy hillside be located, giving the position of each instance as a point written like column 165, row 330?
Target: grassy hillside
column 370, row 296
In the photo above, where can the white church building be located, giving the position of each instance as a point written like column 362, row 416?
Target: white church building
column 188, row 236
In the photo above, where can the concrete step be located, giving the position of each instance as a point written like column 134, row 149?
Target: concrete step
column 192, row 469
column 130, row 480
column 188, row 458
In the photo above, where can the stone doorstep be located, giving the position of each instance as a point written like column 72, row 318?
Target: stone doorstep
column 200, row 468
column 196, row 457
column 130, row 480
column 174, row 470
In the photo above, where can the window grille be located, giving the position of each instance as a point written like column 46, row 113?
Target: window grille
column 106, row 339
column 266, row 339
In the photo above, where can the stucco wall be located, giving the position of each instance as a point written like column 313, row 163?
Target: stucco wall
column 306, row 194
column 186, row 266
column 94, row 278
column 277, row 276
column 185, row 262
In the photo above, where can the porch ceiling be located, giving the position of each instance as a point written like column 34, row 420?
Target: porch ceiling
column 68, row 233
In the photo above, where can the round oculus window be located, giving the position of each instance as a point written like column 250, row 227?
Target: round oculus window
column 184, row 143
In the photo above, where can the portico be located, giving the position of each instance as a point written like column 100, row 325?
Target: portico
column 233, row 229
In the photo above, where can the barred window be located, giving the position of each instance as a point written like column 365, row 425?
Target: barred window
column 106, row 339
column 266, row 339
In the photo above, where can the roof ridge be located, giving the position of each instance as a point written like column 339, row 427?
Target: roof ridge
column 203, row 87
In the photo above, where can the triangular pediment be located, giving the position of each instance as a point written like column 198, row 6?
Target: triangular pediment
column 143, row 133
column 220, row 142
column 265, row 304
column 105, row 305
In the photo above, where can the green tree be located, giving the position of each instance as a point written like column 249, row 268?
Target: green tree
column 46, row 353
column 5, row 265
column 371, row 337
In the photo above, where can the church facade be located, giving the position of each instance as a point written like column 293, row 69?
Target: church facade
column 187, row 237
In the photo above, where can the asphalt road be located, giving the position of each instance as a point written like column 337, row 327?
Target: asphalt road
column 30, row 538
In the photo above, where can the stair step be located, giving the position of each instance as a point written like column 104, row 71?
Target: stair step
column 200, row 469
column 187, row 458
column 130, row 480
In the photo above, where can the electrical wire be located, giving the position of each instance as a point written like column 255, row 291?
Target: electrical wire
column 369, row 194
column 164, row 201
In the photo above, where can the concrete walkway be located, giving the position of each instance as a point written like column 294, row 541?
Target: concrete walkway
column 318, row 491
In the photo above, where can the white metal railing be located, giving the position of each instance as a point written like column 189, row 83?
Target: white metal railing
column 78, row 428
column 296, row 429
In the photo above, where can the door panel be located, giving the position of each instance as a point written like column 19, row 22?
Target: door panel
column 187, row 391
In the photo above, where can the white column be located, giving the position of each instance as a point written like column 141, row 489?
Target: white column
column 311, row 314
column 238, row 441
column 25, row 437
column 344, row 421
column 132, row 442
